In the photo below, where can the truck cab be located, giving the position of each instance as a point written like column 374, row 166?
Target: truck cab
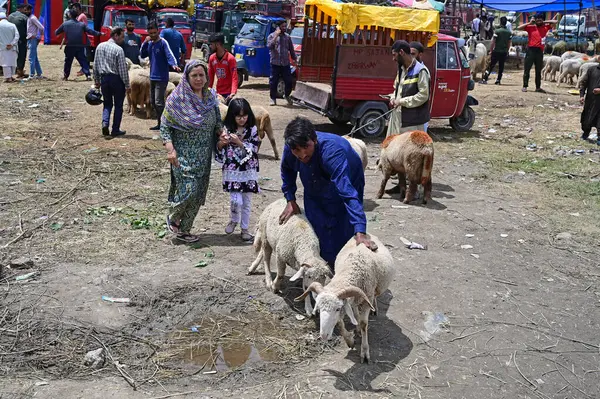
column 572, row 24
column 233, row 21
column 182, row 24
column 107, row 17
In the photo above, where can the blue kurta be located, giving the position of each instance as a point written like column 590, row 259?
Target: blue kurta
column 334, row 184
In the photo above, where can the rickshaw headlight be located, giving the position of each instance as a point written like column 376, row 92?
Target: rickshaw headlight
column 250, row 52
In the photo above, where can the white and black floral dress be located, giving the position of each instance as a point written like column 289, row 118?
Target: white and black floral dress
column 240, row 164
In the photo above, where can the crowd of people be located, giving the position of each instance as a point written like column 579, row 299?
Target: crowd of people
column 191, row 127
column 20, row 31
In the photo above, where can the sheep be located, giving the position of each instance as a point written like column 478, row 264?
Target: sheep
column 569, row 69
column 361, row 275
column 571, row 54
column 560, row 48
column 479, row 63
column 169, row 90
column 144, row 62
column 263, row 123
column 174, row 78
column 410, row 155
column 131, row 65
column 584, row 69
column 552, row 67
column 295, row 244
column 360, row 148
column 139, row 81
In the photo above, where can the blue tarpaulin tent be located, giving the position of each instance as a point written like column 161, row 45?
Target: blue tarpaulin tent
column 535, row 5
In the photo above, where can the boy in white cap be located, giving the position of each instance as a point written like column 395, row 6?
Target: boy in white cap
column 9, row 39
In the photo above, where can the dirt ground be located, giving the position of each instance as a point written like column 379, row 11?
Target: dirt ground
column 504, row 303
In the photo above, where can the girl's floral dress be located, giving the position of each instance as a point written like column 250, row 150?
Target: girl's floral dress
column 240, row 165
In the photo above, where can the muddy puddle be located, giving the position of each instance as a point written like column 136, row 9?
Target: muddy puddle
column 221, row 343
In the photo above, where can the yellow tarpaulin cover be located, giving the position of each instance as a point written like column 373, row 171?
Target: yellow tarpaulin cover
column 174, row 4
column 349, row 15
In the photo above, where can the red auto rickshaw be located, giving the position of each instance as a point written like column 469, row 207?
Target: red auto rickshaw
column 345, row 77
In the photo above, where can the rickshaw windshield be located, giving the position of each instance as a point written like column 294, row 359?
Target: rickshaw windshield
column 252, row 30
column 463, row 57
column 234, row 20
column 296, row 34
column 204, row 15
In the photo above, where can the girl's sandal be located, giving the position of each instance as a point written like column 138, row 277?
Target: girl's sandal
column 187, row 238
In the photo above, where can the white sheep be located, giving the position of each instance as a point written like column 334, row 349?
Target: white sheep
column 295, row 244
column 583, row 70
column 570, row 55
column 361, row 275
column 551, row 68
column 479, row 63
column 569, row 69
column 360, row 148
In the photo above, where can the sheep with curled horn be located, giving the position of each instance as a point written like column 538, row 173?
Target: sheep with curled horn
column 361, row 275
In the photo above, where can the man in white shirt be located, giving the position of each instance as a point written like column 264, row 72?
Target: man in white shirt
column 9, row 39
column 475, row 26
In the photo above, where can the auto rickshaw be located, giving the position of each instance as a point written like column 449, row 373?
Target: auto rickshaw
column 251, row 51
column 346, row 77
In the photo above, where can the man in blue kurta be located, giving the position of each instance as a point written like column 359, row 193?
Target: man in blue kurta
column 333, row 178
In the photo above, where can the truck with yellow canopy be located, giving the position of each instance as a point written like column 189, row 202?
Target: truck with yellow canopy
column 346, row 76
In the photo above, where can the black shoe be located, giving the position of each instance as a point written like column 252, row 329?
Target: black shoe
column 484, row 81
column 497, row 82
column 585, row 136
column 157, row 127
column 118, row 133
column 540, row 90
column 105, row 131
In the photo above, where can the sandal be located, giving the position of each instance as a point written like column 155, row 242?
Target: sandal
column 187, row 238
column 172, row 227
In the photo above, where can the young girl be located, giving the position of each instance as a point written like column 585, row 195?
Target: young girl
column 238, row 152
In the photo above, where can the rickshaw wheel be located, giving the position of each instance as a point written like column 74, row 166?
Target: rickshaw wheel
column 464, row 122
column 338, row 122
column 280, row 88
column 371, row 127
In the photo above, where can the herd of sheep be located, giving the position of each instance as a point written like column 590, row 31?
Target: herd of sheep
column 569, row 66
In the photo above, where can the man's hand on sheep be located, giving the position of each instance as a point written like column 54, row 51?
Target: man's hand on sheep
column 291, row 209
column 362, row 238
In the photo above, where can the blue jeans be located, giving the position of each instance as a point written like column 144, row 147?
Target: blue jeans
column 113, row 93
column 34, row 63
column 72, row 52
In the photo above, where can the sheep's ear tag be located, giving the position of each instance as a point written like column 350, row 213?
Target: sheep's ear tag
column 299, row 274
column 350, row 312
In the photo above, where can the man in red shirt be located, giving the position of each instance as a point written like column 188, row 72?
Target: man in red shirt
column 536, row 29
column 222, row 63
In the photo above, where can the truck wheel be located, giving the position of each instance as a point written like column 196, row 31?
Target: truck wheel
column 372, row 127
column 464, row 122
column 205, row 52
